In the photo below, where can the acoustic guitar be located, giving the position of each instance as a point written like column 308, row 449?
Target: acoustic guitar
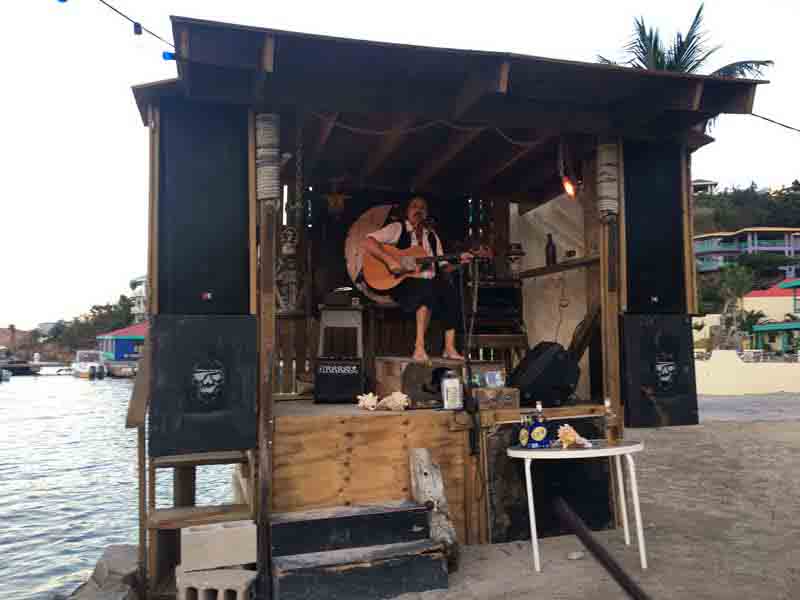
column 412, row 260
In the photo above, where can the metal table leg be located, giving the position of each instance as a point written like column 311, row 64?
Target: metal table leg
column 622, row 499
column 637, row 512
column 532, row 513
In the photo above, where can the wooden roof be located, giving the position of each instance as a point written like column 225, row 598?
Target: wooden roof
column 410, row 117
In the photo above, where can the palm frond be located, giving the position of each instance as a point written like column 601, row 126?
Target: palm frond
column 744, row 68
column 645, row 47
column 605, row 61
column 688, row 53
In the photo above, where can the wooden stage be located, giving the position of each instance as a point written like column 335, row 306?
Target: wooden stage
column 328, row 455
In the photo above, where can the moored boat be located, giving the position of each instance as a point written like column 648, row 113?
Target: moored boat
column 89, row 364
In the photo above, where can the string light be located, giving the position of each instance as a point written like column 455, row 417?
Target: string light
column 138, row 28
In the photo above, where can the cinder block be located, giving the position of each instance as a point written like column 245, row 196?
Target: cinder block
column 218, row 545
column 220, row 584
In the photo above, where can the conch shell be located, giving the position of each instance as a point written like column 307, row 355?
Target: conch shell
column 569, row 438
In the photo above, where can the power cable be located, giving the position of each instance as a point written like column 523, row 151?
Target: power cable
column 776, row 122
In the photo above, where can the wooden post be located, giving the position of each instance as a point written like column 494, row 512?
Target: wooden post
column 152, row 237
column 688, row 232
column 251, row 209
column 142, row 467
column 609, row 195
column 268, row 194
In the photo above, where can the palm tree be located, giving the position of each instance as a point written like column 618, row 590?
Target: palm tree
column 685, row 54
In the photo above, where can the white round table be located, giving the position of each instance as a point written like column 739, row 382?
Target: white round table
column 599, row 449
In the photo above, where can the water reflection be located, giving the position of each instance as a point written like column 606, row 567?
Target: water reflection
column 68, row 481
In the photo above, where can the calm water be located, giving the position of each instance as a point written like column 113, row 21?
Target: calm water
column 68, row 484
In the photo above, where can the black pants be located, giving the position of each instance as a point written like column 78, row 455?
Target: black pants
column 438, row 294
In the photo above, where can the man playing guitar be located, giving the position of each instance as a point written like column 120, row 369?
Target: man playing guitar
column 425, row 292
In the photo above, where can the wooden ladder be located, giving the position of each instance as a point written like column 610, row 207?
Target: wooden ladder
column 164, row 524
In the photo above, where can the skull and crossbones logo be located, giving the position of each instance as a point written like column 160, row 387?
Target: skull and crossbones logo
column 208, row 383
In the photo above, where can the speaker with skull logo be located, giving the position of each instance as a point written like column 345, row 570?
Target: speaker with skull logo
column 658, row 368
column 203, row 384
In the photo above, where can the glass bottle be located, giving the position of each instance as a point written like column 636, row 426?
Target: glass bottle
column 550, row 251
column 539, row 434
column 612, row 424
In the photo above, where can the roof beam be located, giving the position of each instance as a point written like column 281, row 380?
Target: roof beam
column 389, row 143
column 267, row 63
column 435, row 164
column 183, row 58
column 479, row 83
column 717, row 100
column 494, row 170
column 325, row 130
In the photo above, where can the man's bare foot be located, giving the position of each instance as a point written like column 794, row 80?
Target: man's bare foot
column 420, row 355
column 452, row 355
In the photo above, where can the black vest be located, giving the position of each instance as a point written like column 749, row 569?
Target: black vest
column 405, row 242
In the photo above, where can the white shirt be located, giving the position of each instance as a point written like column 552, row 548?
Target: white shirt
column 391, row 235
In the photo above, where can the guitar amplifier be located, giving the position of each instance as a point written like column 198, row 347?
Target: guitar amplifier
column 338, row 380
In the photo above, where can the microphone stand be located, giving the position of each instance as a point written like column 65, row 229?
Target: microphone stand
column 470, row 404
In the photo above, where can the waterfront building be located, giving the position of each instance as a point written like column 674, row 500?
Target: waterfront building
column 715, row 250
column 123, row 344
column 704, row 186
column 139, row 298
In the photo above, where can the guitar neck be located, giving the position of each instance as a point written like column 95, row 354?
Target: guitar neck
column 427, row 259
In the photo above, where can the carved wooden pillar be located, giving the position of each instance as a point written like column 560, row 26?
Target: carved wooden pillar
column 268, row 196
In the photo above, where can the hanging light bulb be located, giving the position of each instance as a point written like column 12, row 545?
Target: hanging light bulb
column 569, row 187
column 569, row 182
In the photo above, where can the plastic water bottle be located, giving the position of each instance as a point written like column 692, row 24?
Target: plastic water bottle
column 452, row 392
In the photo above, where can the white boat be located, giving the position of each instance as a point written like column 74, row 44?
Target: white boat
column 89, row 364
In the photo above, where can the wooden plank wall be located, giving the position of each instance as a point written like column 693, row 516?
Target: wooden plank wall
column 296, row 350
column 326, row 461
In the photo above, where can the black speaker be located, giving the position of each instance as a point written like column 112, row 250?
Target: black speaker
column 658, row 369
column 338, row 380
column 202, row 384
column 547, row 374
column 654, row 228
column 203, row 235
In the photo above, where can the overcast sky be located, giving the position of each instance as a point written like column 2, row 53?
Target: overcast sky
column 73, row 215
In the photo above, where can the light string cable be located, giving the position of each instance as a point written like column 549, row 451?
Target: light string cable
column 137, row 25
column 422, row 126
column 776, row 122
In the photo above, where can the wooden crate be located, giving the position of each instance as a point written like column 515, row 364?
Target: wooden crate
column 497, row 397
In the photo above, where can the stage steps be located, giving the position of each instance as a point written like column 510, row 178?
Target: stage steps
column 355, row 553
